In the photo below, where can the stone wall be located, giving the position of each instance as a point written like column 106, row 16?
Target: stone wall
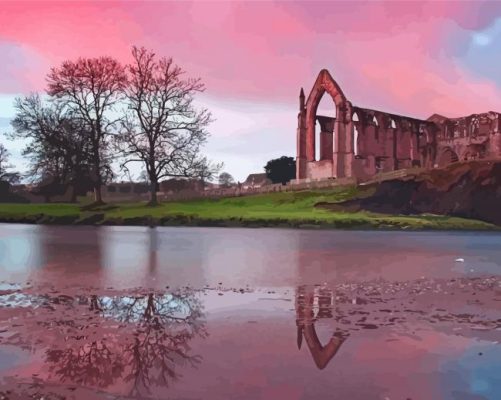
column 319, row 169
column 183, row 195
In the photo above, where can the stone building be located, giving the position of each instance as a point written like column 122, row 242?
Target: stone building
column 359, row 142
column 255, row 181
column 175, row 185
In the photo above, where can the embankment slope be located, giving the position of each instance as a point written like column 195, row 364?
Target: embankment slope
column 468, row 190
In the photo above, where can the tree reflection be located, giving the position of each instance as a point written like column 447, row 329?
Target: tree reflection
column 313, row 303
column 92, row 364
column 153, row 250
column 64, row 249
column 140, row 341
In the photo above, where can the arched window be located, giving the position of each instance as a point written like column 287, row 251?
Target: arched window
column 326, row 108
column 474, row 127
column 355, row 141
column 355, row 117
column 376, row 130
column 393, row 125
column 318, row 129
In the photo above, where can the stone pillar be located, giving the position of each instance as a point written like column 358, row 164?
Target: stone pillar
column 342, row 158
column 494, row 145
column 349, row 156
column 371, row 165
column 393, row 162
column 326, row 141
column 301, row 146
column 414, row 146
column 310, row 139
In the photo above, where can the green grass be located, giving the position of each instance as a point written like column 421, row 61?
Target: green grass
column 275, row 209
column 20, row 209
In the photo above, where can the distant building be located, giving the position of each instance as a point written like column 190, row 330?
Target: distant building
column 211, row 186
column 255, row 181
column 175, row 185
column 118, row 188
column 21, row 187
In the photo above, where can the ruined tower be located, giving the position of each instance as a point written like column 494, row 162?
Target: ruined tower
column 361, row 142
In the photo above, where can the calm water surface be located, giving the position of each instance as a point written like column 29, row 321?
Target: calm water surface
column 195, row 313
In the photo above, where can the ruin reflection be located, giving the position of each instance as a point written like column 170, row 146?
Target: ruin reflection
column 134, row 342
column 313, row 303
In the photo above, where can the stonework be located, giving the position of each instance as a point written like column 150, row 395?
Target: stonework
column 360, row 142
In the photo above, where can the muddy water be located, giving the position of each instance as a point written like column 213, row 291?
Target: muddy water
column 193, row 313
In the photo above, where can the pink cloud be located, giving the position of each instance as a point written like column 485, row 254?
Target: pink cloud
column 394, row 56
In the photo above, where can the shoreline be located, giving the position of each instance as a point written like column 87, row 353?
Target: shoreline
column 375, row 224
column 292, row 210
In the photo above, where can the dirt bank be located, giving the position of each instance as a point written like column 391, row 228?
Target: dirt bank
column 469, row 190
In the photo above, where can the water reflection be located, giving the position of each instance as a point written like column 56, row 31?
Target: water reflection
column 100, row 257
column 20, row 249
column 313, row 303
column 462, row 307
column 125, row 257
column 152, row 258
column 72, row 257
column 126, row 343
column 153, row 250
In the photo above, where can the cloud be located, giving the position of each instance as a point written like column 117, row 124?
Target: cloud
column 412, row 58
column 239, row 58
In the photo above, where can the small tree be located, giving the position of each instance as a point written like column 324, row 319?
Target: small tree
column 90, row 88
column 162, row 129
column 5, row 173
column 281, row 170
column 226, row 180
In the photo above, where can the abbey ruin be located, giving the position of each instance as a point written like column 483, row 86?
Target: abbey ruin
column 360, row 142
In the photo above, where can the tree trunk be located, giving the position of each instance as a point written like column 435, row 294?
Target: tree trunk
column 153, row 194
column 98, row 196
column 73, row 197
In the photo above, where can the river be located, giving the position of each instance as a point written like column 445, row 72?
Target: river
column 210, row 313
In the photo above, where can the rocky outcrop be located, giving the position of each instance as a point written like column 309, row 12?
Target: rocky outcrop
column 471, row 190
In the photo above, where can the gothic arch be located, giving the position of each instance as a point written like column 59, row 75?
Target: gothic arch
column 323, row 84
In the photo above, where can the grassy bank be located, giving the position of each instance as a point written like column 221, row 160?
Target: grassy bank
column 287, row 209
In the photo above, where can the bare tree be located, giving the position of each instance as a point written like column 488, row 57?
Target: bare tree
column 5, row 174
column 91, row 88
column 162, row 129
column 59, row 143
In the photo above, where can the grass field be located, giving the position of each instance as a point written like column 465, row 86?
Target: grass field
column 295, row 209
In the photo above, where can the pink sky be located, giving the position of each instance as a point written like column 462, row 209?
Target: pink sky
column 408, row 58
